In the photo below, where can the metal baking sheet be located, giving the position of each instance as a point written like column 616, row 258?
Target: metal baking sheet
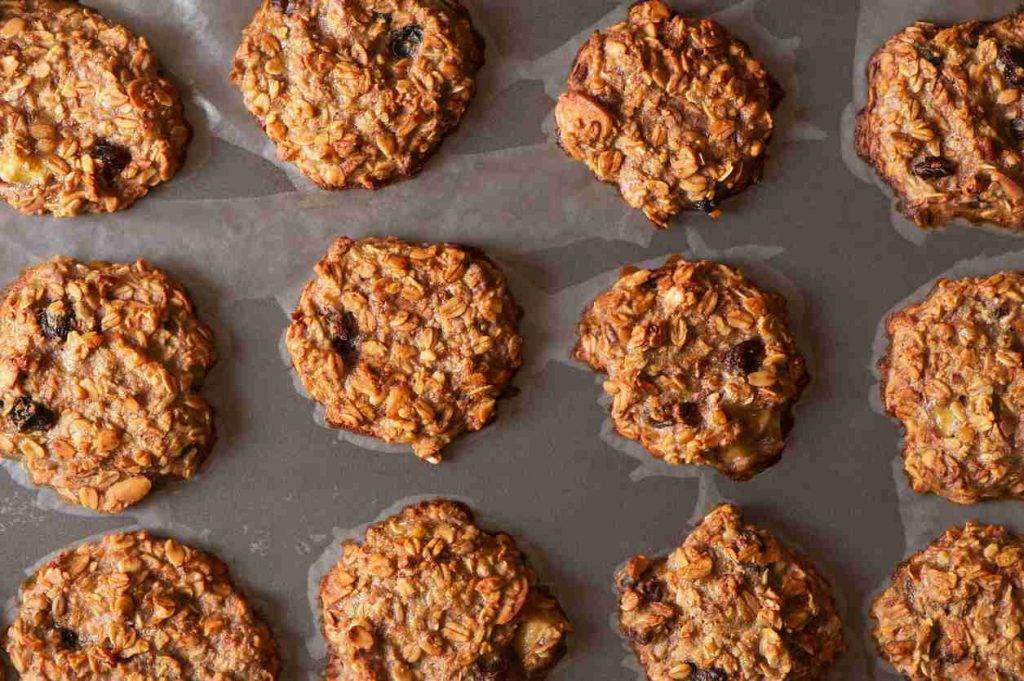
column 242, row 231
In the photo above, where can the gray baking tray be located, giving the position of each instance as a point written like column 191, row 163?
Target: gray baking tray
column 242, row 231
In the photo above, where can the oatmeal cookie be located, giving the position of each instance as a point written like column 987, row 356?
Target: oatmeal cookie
column 953, row 611
column 87, row 122
column 944, row 121
column 730, row 603
column 954, row 376
column 133, row 606
column 675, row 111
column 429, row 595
column 100, row 370
column 701, row 365
column 408, row 343
column 358, row 93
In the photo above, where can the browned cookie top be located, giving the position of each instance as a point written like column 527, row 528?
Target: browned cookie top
column 358, row 93
column 428, row 595
column 408, row 343
column 731, row 604
column 954, row 377
column 953, row 611
column 943, row 123
column 87, row 123
column 100, row 370
column 133, row 607
column 673, row 110
column 701, row 365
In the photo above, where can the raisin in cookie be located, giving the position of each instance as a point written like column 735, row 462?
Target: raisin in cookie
column 953, row 612
column 673, row 110
column 358, row 93
column 100, row 370
column 409, row 343
column 701, row 365
column 730, row 603
column 954, row 376
column 133, row 606
column 944, row 121
column 87, row 122
column 429, row 595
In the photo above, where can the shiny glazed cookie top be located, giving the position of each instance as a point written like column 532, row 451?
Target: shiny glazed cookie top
column 701, row 365
column 428, row 595
column 673, row 110
column 87, row 122
column 409, row 343
column 101, row 365
column 954, row 377
column 134, row 606
column 358, row 93
column 731, row 604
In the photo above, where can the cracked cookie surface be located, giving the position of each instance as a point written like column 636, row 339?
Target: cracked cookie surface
column 358, row 93
column 134, row 606
column 429, row 595
column 100, row 370
column 408, row 343
column 701, row 366
column 944, row 121
column 953, row 376
column 87, row 122
column 730, row 603
column 673, row 110
column 953, row 611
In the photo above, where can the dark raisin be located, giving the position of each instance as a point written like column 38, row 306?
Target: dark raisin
column 745, row 357
column 55, row 326
column 706, row 205
column 404, row 41
column 933, row 168
column 27, row 415
column 649, row 590
column 112, row 159
column 689, row 413
column 931, row 55
column 1011, row 62
column 711, row 674
column 68, row 638
column 493, row 666
column 344, row 333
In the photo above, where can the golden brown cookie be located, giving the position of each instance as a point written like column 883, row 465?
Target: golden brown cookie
column 944, row 121
column 429, row 595
column 701, row 364
column 101, row 365
column 673, row 110
column 87, row 122
column 358, row 93
column 952, row 611
column 409, row 343
column 954, row 377
column 730, row 604
column 133, row 606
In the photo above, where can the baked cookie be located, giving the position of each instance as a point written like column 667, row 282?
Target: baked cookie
column 730, row 603
column 674, row 111
column 87, row 122
column 954, row 376
column 428, row 595
column 408, row 343
column 134, row 606
column 952, row 611
column 100, row 370
column 701, row 365
column 358, row 93
column 944, row 121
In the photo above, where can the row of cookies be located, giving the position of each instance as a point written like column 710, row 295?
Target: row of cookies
column 428, row 594
column 673, row 110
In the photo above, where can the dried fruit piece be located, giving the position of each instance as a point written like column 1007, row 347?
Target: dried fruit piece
column 112, row 159
column 1011, row 64
column 745, row 357
column 405, row 41
column 933, row 168
column 344, row 331
column 55, row 325
column 27, row 415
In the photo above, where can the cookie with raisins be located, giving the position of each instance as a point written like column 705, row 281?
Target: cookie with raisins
column 101, row 366
column 358, row 93
column 702, row 367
